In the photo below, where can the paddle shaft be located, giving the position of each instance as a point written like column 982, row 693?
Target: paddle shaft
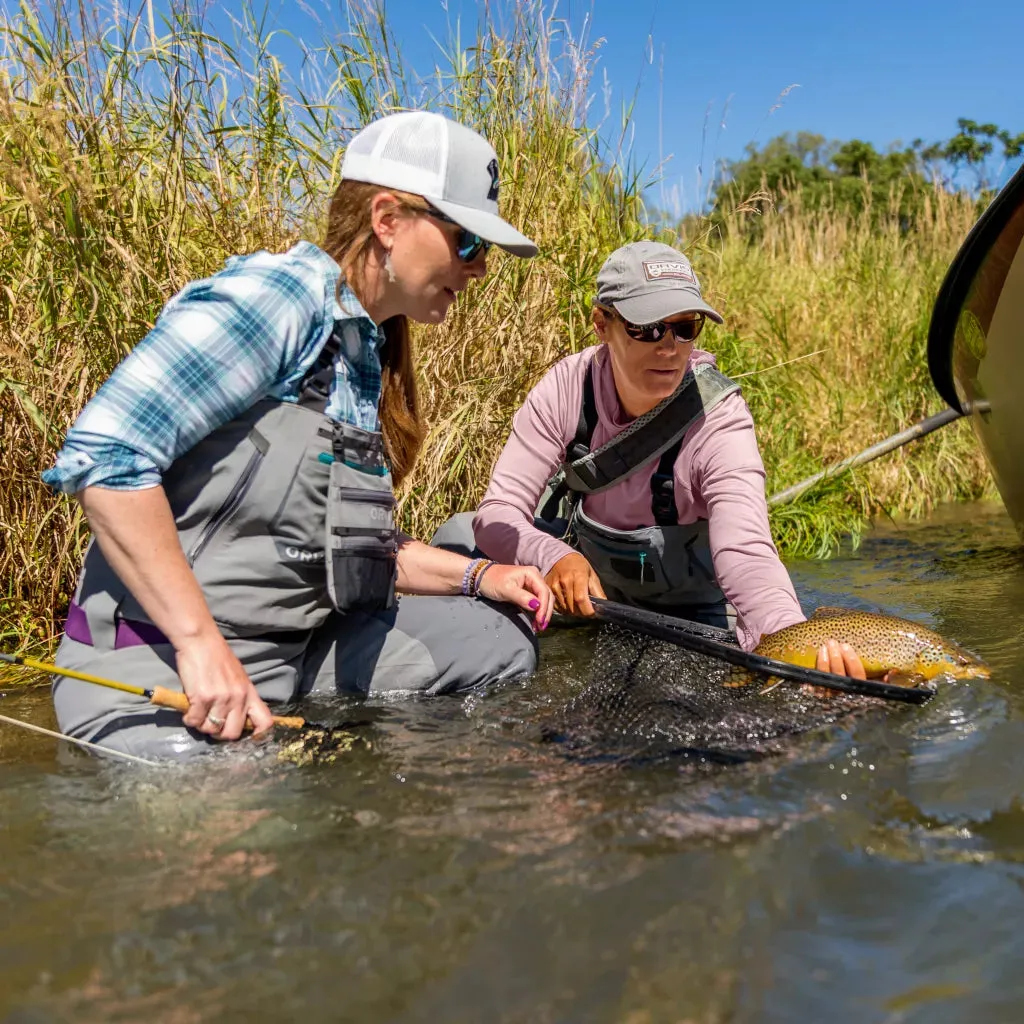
column 683, row 634
column 158, row 695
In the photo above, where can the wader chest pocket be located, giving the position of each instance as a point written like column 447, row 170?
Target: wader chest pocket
column 634, row 567
column 299, row 519
column 234, row 498
column 361, row 541
column 363, row 573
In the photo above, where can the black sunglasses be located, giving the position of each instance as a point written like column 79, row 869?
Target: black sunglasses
column 467, row 245
column 684, row 330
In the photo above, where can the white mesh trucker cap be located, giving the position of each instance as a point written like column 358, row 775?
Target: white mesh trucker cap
column 450, row 165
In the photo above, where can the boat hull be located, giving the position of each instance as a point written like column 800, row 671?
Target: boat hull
column 976, row 340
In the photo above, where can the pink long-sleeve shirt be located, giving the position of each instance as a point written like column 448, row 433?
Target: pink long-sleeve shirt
column 719, row 476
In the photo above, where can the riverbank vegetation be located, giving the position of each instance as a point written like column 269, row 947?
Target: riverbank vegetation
column 855, row 177
column 137, row 153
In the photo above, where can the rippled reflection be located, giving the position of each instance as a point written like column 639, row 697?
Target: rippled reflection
column 496, row 859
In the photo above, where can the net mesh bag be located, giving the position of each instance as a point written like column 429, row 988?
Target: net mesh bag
column 647, row 699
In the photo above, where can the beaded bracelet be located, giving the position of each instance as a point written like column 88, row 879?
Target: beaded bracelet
column 467, row 577
column 480, row 578
column 478, row 574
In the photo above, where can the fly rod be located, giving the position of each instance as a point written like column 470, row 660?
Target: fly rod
column 921, row 429
column 84, row 744
column 687, row 634
column 158, row 695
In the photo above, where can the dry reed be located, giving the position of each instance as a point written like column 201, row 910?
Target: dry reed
column 136, row 156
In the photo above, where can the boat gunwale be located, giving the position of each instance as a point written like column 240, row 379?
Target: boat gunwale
column 957, row 283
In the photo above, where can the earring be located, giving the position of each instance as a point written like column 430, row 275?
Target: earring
column 388, row 268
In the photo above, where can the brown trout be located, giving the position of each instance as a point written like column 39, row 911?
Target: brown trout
column 902, row 652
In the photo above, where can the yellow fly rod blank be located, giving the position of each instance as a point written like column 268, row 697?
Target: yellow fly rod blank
column 158, row 695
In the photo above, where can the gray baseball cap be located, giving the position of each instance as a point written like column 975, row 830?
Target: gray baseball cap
column 648, row 281
column 451, row 166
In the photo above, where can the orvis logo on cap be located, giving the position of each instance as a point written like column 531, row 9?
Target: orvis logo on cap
column 655, row 270
column 492, row 169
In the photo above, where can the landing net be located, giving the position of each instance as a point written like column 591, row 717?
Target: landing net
column 646, row 699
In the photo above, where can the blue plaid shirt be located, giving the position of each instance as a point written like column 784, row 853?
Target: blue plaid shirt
column 250, row 331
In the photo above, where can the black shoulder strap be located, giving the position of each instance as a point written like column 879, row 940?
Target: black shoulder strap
column 315, row 388
column 580, row 444
column 663, row 488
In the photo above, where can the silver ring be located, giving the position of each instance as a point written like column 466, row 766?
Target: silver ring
column 215, row 720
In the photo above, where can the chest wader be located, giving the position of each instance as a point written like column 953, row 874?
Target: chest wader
column 283, row 514
column 666, row 566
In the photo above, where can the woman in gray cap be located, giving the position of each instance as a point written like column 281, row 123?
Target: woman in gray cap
column 237, row 468
column 633, row 470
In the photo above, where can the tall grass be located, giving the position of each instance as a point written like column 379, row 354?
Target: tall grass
column 137, row 154
column 827, row 317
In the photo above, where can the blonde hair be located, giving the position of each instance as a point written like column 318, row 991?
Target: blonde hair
column 348, row 241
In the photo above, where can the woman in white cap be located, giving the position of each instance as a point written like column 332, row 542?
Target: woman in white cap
column 237, row 467
column 633, row 470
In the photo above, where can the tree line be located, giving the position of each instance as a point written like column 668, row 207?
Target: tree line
column 854, row 174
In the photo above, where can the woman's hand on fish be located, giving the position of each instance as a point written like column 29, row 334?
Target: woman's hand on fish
column 573, row 582
column 520, row 585
column 839, row 659
column 221, row 696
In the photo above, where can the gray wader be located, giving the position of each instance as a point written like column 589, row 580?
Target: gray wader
column 287, row 520
column 666, row 567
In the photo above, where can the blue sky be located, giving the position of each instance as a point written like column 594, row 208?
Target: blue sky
column 880, row 71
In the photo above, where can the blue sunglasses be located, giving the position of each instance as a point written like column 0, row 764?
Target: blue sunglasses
column 467, row 245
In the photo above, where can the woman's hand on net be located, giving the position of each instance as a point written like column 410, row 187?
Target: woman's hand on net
column 221, row 696
column 573, row 582
column 521, row 585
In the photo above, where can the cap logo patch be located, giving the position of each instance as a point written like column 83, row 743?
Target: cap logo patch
column 655, row 270
column 492, row 169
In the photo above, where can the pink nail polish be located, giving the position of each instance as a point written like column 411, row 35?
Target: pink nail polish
column 534, row 605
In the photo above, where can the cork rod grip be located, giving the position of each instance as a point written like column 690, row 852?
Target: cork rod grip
column 165, row 698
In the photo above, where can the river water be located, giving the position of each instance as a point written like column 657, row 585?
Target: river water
column 451, row 866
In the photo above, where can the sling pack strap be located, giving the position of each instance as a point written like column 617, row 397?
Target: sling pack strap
column 648, row 437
